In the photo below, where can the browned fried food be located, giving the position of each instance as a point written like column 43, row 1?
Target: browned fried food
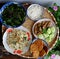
column 42, row 53
column 39, row 43
column 38, row 48
column 45, row 48
column 49, row 23
column 45, row 25
column 37, row 28
column 33, row 47
column 36, row 54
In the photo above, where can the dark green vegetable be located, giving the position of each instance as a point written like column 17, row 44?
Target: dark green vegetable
column 25, row 38
column 45, row 30
column 13, row 15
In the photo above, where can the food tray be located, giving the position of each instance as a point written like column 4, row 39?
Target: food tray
column 47, row 14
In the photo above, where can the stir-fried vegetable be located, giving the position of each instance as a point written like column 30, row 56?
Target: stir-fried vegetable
column 13, row 15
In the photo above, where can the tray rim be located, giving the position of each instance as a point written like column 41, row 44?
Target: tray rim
column 57, row 36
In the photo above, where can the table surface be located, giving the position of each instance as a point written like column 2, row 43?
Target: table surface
column 5, row 55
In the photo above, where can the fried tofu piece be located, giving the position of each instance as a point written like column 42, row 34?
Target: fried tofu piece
column 36, row 54
column 39, row 43
column 33, row 47
column 38, row 48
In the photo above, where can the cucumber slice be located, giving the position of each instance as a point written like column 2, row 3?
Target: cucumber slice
column 53, row 29
column 46, row 35
column 49, row 39
column 52, row 35
column 49, row 31
column 41, row 36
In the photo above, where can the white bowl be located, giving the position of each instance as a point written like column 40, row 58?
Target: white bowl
column 35, row 12
column 45, row 43
column 39, row 21
column 6, row 46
